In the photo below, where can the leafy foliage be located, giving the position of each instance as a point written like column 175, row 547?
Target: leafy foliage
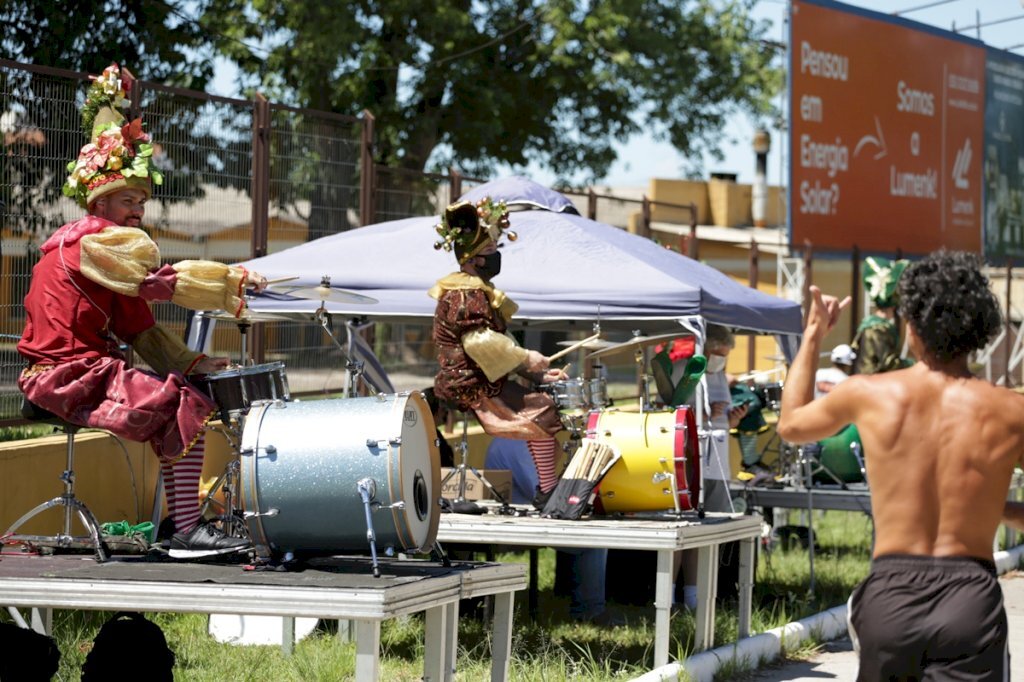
column 555, row 82
column 154, row 38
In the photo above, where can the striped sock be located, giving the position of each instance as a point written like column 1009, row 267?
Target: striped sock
column 543, row 453
column 181, row 481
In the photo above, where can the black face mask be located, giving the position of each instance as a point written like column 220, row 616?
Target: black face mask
column 491, row 266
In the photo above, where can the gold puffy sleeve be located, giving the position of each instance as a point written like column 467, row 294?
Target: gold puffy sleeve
column 208, row 285
column 164, row 351
column 119, row 258
column 496, row 354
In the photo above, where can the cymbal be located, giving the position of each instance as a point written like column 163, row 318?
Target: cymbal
column 328, row 293
column 248, row 316
column 635, row 343
column 596, row 344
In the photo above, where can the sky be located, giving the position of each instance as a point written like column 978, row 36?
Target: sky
column 642, row 158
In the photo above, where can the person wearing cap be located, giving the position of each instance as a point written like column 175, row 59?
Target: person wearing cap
column 877, row 341
column 477, row 357
column 827, row 378
column 90, row 292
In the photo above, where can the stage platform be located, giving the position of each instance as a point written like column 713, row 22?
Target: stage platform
column 663, row 533
column 856, row 497
column 336, row 587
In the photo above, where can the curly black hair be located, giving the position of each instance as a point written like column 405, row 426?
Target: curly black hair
column 947, row 300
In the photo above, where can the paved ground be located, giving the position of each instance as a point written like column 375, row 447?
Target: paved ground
column 837, row 661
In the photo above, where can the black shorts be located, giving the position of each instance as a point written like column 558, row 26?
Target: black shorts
column 930, row 618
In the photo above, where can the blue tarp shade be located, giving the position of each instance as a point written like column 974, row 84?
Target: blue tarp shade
column 563, row 267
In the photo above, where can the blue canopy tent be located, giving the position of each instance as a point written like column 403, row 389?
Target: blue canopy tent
column 564, row 271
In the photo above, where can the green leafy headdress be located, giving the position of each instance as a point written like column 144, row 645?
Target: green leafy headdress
column 119, row 153
column 880, row 278
column 466, row 228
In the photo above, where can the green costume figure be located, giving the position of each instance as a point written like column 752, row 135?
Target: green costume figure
column 877, row 342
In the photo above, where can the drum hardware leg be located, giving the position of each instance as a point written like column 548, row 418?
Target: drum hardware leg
column 810, row 518
column 367, row 488
column 438, row 553
column 666, row 476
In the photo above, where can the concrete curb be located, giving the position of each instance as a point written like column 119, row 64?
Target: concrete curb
column 751, row 652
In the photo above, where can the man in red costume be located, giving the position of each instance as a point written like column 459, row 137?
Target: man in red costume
column 90, row 291
column 476, row 355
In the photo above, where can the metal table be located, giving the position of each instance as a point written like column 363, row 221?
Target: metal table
column 661, row 533
column 340, row 587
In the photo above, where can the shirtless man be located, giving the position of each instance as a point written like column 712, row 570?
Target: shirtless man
column 942, row 448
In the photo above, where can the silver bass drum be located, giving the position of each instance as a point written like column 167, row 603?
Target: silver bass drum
column 302, row 463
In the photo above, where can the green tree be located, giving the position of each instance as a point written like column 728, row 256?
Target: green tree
column 555, row 82
column 156, row 39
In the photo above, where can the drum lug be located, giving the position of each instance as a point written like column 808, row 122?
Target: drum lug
column 273, row 511
column 248, row 452
column 381, row 443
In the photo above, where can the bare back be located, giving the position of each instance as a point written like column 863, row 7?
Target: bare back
column 940, row 452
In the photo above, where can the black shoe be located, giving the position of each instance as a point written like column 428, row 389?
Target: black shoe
column 166, row 530
column 206, row 540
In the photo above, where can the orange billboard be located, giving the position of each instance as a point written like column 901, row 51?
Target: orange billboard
column 886, row 132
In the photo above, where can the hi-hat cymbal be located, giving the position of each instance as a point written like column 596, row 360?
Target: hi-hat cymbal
column 596, row 344
column 332, row 294
column 248, row 316
column 634, row 343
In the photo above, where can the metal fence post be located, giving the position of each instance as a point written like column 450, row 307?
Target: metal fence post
column 694, row 246
column 591, row 203
column 368, row 174
column 753, row 276
column 454, row 185
column 808, row 275
column 646, row 217
column 260, row 189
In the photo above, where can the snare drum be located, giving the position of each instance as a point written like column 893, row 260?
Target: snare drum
column 570, row 399
column 235, row 390
column 770, row 395
column 302, row 463
column 655, row 447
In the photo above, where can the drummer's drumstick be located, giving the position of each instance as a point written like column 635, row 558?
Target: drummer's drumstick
column 575, row 346
column 281, row 280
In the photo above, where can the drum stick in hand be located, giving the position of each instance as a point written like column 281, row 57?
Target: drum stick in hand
column 575, row 346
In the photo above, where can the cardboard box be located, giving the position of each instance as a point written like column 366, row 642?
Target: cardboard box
column 501, row 479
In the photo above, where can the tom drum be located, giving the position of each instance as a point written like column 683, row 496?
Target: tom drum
column 302, row 463
column 235, row 390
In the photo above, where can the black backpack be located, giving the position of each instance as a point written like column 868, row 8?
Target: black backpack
column 129, row 647
column 26, row 656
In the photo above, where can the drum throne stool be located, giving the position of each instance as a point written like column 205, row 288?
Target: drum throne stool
column 64, row 539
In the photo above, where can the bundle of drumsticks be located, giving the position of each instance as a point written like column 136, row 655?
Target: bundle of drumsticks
column 589, row 460
column 588, row 465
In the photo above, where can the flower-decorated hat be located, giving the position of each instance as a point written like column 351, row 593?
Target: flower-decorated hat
column 467, row 228
column 119, row 153
column 880, row 278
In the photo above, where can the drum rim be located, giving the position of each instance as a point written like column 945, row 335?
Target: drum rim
column 262, row 368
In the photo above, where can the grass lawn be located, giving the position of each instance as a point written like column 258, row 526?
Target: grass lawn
column 553, row 648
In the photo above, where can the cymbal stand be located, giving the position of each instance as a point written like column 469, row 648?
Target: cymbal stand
column 243, row 331
column 645, row 380
column 229, row 482
column 353, row 368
